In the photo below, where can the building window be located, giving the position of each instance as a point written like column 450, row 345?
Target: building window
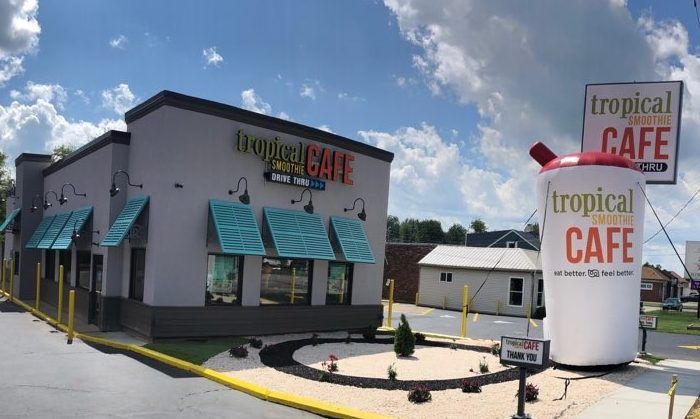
column 339, row 283
column 445, row 276
column 16, row 262
column 224, row 280
column 64, row 258
column 511, row 245
column 50, row 268
column 138, row 274
column 540, row 292
column 83, row 280
column 515, row 297
column 286, row 281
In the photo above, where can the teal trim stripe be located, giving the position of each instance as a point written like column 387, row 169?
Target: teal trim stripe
column 351, row 236
column 237, row 228
column 76, row 221
column 297, row 234
column 124, row 221
column 9, row 219
column 39, row 232
column 59, row 221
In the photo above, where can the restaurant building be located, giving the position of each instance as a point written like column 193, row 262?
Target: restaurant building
column 204, row 219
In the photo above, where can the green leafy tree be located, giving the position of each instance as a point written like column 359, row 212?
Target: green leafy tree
column 409, row 230
column 61, row 152
column 456, row 234
column 393, row 229
column 430, row 231
column 404, row 341
column 533, row 228
column 478, row 226
column 6, row 188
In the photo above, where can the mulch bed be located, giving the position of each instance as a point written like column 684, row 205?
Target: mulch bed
column 280, row 357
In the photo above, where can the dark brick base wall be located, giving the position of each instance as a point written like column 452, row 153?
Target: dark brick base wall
column 402, row 266
column 654, row 294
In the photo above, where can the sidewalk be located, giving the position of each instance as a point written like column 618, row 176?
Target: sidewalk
column 645, row 396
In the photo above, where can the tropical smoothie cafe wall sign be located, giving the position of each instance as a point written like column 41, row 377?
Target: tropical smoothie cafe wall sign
column 304, row 165
column 639, row 121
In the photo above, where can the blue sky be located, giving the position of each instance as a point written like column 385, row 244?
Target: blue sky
column 457, row 89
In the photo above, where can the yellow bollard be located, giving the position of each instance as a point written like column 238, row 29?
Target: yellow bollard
column 12, row 279
column 529, row 311
column 59, row 315
column 498, row 307
column 294, row 285
column 38, row 286
column 465, row 301
column 444, row 302
column 417, row 294
column 71, row 315
column 2, row 274
column 391, row 302
column 672, row 394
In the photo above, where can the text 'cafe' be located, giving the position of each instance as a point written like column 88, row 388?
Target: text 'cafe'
column 204, row 219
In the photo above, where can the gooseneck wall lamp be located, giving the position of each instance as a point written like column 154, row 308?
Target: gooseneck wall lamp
column 245, row 198
column 76, row 232
column 47, row 204
column 114, row 189
column 62, row 200
column 309, row 208
column 35, row 203
column 362, row 215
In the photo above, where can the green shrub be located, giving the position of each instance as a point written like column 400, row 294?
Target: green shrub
column 404, row 341
column 531, row 392
column 419, row 394
column 238, row 352
column 420, row 338
column 255, row 343
column 496, row 349
column 470, row 386
column 483, row 366
column 391, row 372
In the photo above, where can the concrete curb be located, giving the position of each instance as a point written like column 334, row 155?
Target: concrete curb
column 264, row 393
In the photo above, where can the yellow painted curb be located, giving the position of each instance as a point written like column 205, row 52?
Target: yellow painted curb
column 264, row 393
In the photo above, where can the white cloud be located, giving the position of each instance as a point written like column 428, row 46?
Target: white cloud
column 252, row 102
column 119, row 99
column 9, row 68
column 524, row 66
column 119, row 42
column 38, row 126
column 46, row 92
column 326, row 128
column 308, row 91
column 80, row 94
column 285, row 116
column 348, row 97
column 211, row 57
column 402, row 81
column 19, row 28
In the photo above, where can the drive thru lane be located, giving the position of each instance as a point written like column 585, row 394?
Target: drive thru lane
column 43, row 377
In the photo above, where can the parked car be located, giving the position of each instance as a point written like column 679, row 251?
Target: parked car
column 672, row 304
column 693, row 296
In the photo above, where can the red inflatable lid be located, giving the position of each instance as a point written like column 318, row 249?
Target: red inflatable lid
column 550, row 161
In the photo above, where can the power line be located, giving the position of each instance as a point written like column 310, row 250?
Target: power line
column 676, row 215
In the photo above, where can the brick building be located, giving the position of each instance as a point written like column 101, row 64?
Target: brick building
column 656, row 284
column 402, row 266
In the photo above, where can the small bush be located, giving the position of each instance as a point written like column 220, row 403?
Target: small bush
column 324, row 377
column 470, row 386
column 420, row 338
column 238, row 352
column 453, row 345
column 483, row 366
column 370, row 333
column 331, row 364
column 391, row 372
column 531, row 392
column 255, row 343
column 496, row 349
column 404, row 341
column 419, row 394
column 540, row 313
column 314, row 339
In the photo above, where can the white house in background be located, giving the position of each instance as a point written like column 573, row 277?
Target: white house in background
column 506, row 281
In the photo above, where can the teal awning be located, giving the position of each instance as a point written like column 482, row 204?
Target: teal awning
column 297, row 234
column 237, row 228
column 39, row 232
column 350, row 235
column 75, row 223
column 59, row 221
column 124, row 221
column 9, row 219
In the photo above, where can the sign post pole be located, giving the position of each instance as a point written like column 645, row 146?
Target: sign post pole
column 524, row 353
column 521, row 394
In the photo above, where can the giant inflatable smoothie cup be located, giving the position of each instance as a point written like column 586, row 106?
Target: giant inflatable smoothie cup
column 591, row 214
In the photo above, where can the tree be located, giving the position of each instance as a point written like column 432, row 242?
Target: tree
column 478, row 226
column 409, row 230
column 456, row 234
column 404, row 340
column 533, row 228
column 393, row 229
column 6, row 188
column 61, row 152
column 430, row 231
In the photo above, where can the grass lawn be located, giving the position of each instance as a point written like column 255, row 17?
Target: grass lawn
column 675, row 322
column 196, row 351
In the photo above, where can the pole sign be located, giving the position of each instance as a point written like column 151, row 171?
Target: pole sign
column 640, row 121
column 525, row 352
column 647, row 322
column 695, row 285
column 692, row 260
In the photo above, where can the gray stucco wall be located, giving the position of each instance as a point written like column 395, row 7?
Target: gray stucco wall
column 432, row 291
column 172, row 145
